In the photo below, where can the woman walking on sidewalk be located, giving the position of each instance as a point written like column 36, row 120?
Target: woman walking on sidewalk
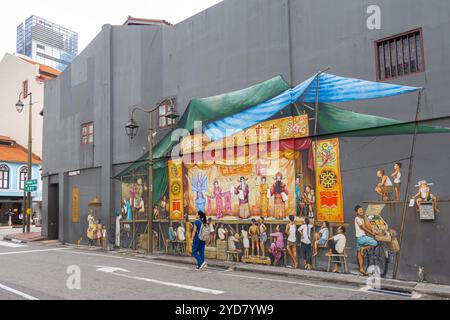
column 198, row 246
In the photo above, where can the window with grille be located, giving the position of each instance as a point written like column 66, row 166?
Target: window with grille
column 22, row 177
column 4, row 176
column 400, row 55
column 87, row 133
column 163, row 110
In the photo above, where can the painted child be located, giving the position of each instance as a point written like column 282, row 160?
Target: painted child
column 396, row 176
column 188, row 235
column 99, row 233
column 321, row 237
column 276, row 248
column 212, row 232
column 263, row 233
column 424, row 195
column 254, row 236
column 245, row 241
column 291, row 233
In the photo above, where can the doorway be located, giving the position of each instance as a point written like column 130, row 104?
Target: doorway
column 53, row 212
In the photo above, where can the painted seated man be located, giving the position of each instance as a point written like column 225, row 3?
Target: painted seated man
column 364, row 237
column 424, row 195
column 385, row 186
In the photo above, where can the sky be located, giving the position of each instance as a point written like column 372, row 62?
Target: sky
column 88, row 16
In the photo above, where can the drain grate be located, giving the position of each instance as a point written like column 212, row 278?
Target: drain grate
column 395, row 292
column 217, row 268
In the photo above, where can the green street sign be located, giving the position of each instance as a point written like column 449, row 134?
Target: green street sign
column 30, row 188
column 33, row 182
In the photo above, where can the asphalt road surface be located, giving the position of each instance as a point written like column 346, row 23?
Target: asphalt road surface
column 36, row 271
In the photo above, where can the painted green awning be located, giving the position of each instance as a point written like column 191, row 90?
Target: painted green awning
column 345, row 123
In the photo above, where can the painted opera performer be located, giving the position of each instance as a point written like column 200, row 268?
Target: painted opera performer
column 137, row 197
column 219, row 196
column 280, row 193
column 264, row 193
column 199, row 187
column 243, row 192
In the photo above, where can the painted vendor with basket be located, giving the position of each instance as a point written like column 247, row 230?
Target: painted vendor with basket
column 364, row 237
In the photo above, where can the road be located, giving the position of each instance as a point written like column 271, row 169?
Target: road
column 37, row 271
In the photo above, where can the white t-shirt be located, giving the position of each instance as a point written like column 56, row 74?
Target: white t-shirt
column 388, row 182
column 221, row 233
column 397, row 177
column 340, row 242
column 306, row 234
column 292, row 230
column 359, row 222
column 231, row 244
column 181, row 234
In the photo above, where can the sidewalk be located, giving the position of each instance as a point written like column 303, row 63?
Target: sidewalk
column 386, row 284
column 24, row 237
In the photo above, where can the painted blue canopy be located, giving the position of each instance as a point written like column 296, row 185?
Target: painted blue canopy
column 332, row 89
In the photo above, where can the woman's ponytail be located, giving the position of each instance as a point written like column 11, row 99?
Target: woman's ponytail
column 202, row 217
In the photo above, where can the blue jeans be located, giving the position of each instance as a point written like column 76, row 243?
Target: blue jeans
column 198, row 251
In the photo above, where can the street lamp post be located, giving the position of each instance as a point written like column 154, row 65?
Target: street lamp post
column 131, row 129
column 27, row 200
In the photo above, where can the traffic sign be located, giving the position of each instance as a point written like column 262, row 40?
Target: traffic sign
column 33, row 182
column 30, row 188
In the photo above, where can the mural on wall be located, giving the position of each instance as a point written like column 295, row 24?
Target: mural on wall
column 330, row 204
column 247, row 175
column 240, row 191
column 134, row 200
column 261, row 182
column 176, row 190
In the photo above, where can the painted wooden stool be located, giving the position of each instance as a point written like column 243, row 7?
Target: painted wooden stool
column 340, row 259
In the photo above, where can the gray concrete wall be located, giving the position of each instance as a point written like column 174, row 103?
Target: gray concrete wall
column 231, row 46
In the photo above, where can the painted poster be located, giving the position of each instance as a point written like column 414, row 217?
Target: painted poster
column 176, row 189
column 75, row 204
column 243, row 191
column 330, row 204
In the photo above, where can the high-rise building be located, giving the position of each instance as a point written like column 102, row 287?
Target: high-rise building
column 46, row 42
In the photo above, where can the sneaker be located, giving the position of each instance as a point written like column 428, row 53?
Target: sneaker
column 289, row 267
column 203, row 266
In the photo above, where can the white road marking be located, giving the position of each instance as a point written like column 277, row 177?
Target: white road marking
column 17, row 292
column 131, row 259
column 111, row 270
column 10, row 244
column 31, row 251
